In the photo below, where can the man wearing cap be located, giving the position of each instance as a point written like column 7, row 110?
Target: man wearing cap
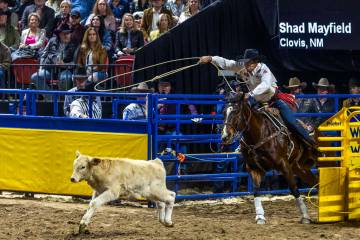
column 8, row 34
column 354, row 88
column 262, row 86
column 137, row 111
column 59, row 50
column 79, row 78
column 13, row 17
column 78, row 30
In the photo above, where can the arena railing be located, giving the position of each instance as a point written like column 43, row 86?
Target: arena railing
column 179, row 119
column 26, row 105
column 19, row 76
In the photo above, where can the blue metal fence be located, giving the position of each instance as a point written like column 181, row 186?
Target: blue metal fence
column 27, row 111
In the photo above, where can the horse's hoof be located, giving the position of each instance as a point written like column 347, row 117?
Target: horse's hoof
column 169, row 224
column 305, row 221
column 260, row 221
column 83, row 229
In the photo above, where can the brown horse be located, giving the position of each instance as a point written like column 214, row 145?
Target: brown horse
column 268, row 146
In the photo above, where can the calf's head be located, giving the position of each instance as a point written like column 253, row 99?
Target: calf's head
column 82, row 167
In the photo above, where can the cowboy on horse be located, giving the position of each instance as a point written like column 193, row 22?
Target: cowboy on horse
column 262, row 87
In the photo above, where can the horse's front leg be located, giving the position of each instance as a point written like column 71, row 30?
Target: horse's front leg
column 259, row 210
column 95, row 203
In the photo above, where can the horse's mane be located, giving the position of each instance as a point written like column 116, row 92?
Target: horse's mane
column 238, row 97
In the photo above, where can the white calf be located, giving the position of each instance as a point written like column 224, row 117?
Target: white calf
column 113, row 178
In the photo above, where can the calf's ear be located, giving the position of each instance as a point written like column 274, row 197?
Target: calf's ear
column 77, row 153
column 94, row 161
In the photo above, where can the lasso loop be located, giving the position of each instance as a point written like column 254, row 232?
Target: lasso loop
column 150, row 80
column 158, row 76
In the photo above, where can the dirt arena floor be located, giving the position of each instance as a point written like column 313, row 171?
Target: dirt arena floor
column 54, row 218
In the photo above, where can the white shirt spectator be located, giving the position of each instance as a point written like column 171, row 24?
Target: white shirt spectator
column 79, row 108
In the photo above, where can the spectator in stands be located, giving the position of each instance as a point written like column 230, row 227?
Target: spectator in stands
column 63, row 16
column 137, row 111
column 119, row 8
column 138, row 19
column 101, row 8
column 324, row 104
column 13, row 17
column 59, row 50
column 5, row 60
column 98, row 24
column 32, row 39
column 163, row 26
column 165, row 87
column 83, row 7
column 22, row 5
column 151, row 17
column 92, row 54
column 177, row 7
column 139, row 5
column 54, row 4
column 78, row 30
column 8, row 34
column 192, row 8
column 354, row 88
column 79, row 78
column 303, row 105
column 128, row 39
column 46, row 16
column 80, row 107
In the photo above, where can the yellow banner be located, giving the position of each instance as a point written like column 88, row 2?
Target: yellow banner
column 41, row 160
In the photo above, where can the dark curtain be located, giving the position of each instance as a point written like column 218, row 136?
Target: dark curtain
column 226, row 28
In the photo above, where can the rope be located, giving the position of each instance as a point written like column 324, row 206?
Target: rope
column 141, row 69
column 335, row 180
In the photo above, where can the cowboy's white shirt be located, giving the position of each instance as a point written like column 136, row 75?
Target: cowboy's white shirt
column 261, row 81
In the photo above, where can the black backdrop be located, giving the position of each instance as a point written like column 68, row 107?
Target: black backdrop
column 226, row 28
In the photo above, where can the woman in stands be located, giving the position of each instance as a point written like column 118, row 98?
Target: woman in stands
column 102, row 8
column 33, row 37
column 128, row 38
column 63, row 15
column 163, row 26
column 98, row 23
column 192, row 8
column 92, row 54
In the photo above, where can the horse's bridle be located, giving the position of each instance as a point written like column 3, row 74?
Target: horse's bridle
column 246, row 125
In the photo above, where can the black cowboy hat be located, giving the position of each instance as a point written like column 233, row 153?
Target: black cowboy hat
column 250, row 54
column 11, row 3
column 63, row 28
column 295, row 82
column 80, row 72
column 4, row 13
column 89, row 86
column 164, row 81
column 141, row 88
column 354, row 82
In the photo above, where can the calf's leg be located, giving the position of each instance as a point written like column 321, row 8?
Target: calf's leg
column 161, row 209
column 169, row 205
column 103, row 198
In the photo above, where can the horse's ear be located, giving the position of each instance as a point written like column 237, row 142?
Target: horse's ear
column 238, row 97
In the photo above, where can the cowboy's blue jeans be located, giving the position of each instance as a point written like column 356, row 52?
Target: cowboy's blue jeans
column 291, row 121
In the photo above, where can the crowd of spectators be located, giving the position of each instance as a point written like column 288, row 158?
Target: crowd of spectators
column 76, row 32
